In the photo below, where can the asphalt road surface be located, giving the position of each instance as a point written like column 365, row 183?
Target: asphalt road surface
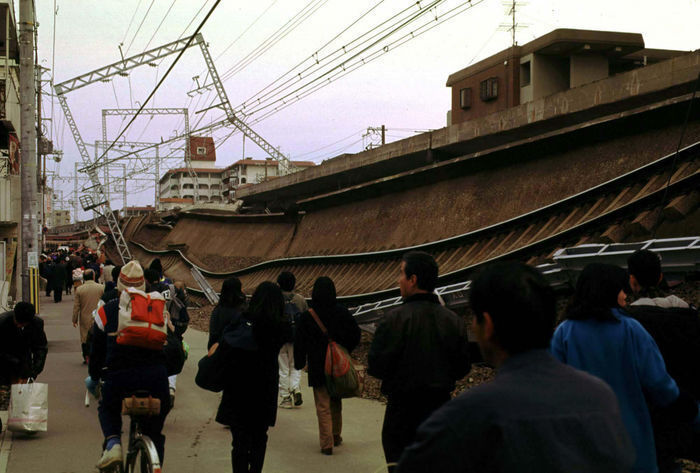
column 195, row 442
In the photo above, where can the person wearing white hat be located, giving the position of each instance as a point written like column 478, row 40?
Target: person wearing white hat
column 125, row 367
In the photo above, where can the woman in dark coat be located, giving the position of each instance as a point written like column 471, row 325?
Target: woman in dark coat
column 249, row 403
column 310, row 344
column 229, row 308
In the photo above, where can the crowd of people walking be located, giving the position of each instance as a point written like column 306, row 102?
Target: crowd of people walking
column 613, row 387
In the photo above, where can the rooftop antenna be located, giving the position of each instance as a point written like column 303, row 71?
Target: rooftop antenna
column 511, row 9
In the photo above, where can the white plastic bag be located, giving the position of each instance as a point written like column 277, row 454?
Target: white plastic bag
column 29, row 407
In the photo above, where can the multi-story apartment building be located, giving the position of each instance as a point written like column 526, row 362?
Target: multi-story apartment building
column 10, row 187
column 253, row 171
column 177, row 186
column 558, row 61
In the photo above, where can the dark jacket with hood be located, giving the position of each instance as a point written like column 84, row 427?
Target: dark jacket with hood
column 311, row 343
column 420, row 346
column 22, row 350
column 250, row 392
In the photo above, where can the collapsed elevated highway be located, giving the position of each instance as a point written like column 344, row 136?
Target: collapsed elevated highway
column 599, row 169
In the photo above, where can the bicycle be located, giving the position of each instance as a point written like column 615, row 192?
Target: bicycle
column 141, row 452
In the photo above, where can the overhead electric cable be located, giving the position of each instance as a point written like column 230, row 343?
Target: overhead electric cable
column 273, row 39
column 314, row 57
column 309, row 89
column 53, row 67
column 182, row 51
column 159, row 25
column 397, row 22
column 126, row 33
column 342, row 65
column 140, row 25
column 246, row 30
column 330, row 144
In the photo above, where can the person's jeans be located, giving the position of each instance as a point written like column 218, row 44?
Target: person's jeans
column 248, row 448
column 122, row 383
column 403, row 415
column 330, row 416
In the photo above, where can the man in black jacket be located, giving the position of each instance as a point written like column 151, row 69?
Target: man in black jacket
column 537, row 415
column 675, row 327
column 23, row 345
column 418, row 352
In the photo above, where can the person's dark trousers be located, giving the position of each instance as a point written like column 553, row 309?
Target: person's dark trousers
column 58, row 294
column 69, row 286
column 404, row 413
column 122, row 383
column 249, row 445
column 86, row 350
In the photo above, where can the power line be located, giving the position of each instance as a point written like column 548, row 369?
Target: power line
column 187, row 45
column 308, row 88
column 331, row 144
column 270, row 41
column 385, row 33
column 140, row 25
column 126, row 33
column 246, row 30
column 315, row 56
column 159, row 25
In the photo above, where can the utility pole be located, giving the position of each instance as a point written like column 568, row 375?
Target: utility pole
column 30, row 236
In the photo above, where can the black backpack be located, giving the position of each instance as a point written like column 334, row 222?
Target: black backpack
column 292, row 314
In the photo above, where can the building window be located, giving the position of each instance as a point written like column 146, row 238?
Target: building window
column 465, row 98
column 525, row 69
column 488, row 89
column 201, row 151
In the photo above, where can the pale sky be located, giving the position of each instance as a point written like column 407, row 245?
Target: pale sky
column 403, row 89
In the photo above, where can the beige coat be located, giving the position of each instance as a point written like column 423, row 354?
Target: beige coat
column 85, row 301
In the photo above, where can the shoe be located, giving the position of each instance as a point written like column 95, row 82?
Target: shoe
column 286, row 402
column 327, row 451
column 298, row 401
column 172, row 398
column 110, row 458
column 337, row 440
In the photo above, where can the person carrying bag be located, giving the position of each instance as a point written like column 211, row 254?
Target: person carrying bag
column 342, row 378
column 328, row 333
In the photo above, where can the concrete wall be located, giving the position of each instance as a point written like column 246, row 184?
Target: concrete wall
column 526, row 89
column 634, row 84
column 549, row 75
column 585, row 69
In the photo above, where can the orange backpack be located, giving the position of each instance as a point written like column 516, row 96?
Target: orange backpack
column 142, row 321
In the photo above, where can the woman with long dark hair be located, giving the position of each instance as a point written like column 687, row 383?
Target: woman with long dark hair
column 600, row 338
column 231, row 303
column 311, row 343
column 249, row 402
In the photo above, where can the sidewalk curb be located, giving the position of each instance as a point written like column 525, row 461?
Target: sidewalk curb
column 5, row 443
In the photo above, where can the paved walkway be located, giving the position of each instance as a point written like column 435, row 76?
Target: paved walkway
column 195, row 442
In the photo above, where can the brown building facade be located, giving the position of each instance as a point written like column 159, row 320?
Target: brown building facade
column 560, row 60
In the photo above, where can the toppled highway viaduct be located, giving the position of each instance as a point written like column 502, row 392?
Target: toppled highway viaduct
column 411, row 193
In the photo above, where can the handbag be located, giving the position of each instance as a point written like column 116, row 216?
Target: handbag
column 343, row 379
column 212, row 369
column 29, row 407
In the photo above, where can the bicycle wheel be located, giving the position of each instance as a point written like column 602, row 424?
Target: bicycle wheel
column 143, row 458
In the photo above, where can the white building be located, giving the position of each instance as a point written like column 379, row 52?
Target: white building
column 253, row 171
